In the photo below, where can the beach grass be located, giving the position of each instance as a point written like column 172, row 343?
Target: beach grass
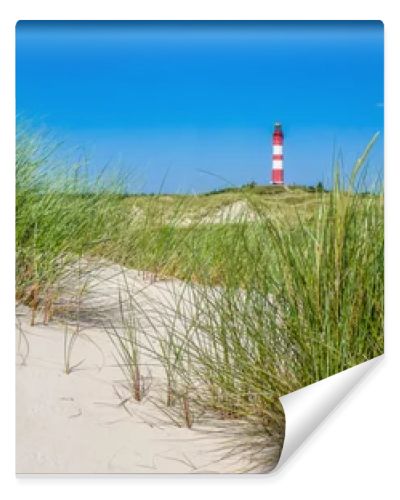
column 60, row 214
column 282, row 302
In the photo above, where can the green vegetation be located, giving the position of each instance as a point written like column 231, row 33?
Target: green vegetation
column 279, row 299
column 60, row 215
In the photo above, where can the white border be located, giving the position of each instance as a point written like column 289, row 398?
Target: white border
column 354, row 453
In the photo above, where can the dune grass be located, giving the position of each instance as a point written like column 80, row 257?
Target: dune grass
column 60, row 215
column 125, row 340
column 280, row 304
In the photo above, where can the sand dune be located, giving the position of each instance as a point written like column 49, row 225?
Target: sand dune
column 84, row 421
column 239, row 211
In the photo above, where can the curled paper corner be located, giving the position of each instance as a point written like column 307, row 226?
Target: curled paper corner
column 308, row 407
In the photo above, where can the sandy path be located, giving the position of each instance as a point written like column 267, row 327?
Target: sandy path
column 79, row 422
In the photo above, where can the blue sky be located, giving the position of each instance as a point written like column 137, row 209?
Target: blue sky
column 186, row 105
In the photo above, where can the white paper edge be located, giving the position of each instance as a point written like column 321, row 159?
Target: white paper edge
column 307, row 408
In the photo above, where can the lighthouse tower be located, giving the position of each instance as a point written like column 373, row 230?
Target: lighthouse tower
column 277, row 155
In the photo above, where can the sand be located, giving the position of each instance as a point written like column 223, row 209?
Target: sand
column 85, row 421
column 239, row 211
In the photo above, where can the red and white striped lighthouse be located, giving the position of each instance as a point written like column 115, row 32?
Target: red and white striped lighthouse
column 277, row 155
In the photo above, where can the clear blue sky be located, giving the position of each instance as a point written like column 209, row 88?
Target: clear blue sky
column 172, row 100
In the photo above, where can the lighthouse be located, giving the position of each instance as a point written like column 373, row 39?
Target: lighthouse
column 277, row 155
